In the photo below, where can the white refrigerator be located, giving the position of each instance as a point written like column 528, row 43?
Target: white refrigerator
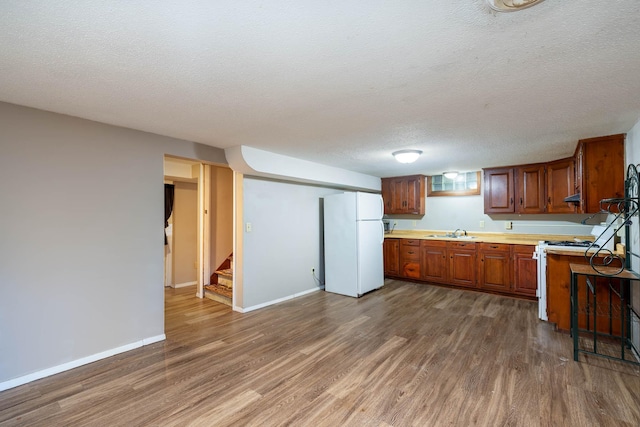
column 353, row 237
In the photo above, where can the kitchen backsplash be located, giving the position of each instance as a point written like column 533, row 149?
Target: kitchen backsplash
column 467, row 212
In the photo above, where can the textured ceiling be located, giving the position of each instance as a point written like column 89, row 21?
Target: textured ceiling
column 343, row 83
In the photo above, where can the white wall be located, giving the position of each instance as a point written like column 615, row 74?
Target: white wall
column 466, row 212
column 81, row 238
column 285, row 242
column 632, row 154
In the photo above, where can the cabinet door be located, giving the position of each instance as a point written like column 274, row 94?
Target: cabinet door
column 578, row 158
column 403, row 195
column 525, row 270
column 495, row 267
column 498, row 190
column 462, row 264
column 434, row 261
column 410, row 259
column 603, row 170
column 387, row 195
column 530, row 197
column 399, row 199
column 391, row 257
column 560, row 185
column 415, row 195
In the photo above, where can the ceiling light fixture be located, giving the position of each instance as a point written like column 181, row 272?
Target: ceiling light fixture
column 407, row 156
column 511, row 5
column 450, row 175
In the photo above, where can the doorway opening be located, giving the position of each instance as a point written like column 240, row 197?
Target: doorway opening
column 200, row 229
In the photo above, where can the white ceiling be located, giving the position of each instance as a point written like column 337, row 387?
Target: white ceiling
column 343, row 83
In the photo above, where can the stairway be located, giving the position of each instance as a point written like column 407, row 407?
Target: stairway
column 220, row 288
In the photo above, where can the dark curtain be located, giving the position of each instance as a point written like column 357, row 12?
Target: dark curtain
column 169, row 190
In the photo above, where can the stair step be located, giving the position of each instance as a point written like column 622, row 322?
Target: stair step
column 214, row 296
column 226, row 282
column 226, row 273
column 218, row 293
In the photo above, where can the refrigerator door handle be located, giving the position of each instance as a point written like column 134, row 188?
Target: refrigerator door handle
column 381, row 232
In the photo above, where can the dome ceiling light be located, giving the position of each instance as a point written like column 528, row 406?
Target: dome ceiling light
column 407, row 156
column 451, row 174
column 511, row 5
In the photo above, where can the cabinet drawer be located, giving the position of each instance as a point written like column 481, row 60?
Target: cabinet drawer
column 410, row 242
column 502, row 247
column 409, row 253
column 462, row 245
column 437, row 243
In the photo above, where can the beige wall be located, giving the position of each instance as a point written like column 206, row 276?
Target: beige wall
column 185, row 233
column 221, row 215
column 82, row 242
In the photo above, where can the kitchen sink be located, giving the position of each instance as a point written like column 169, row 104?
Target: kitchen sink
column 449, row 236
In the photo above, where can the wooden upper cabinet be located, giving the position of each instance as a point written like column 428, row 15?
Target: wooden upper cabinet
column 600, row 171
column 386, row 195
column 530, row 186
column 415, row 195
column 595, row 172
column 560, row 185
column 404, row 195
column 519, row 189
column 498, row 190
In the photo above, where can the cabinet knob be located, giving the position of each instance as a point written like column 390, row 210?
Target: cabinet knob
column 520, row 201
column 511, row 200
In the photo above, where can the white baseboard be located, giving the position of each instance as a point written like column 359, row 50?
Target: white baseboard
column 275, row 301
column 185, row 284
column 78, row 362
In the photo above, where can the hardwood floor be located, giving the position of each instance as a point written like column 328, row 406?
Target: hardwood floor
column 405, row 355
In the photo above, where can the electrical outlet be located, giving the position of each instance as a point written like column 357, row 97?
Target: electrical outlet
column 395, row 223
column 415, row 223
column 508, row 225
column 313, row 271
column 249, row 227
column 481, row 224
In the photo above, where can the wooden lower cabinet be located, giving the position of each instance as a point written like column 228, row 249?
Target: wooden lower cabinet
column 503, row 268
column 462, row 264
column 524, row 271
column 410, row 258
column 391, row 254
column 435, row 266
column 559, row 295
column 494, row 267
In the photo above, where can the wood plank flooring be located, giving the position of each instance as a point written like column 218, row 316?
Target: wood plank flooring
column 405, row 355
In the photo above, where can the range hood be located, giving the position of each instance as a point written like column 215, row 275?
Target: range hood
column 573, row 199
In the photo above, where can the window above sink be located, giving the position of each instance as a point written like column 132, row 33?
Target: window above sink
column 465, row 184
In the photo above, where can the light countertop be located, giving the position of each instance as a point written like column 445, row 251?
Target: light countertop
column 480, row 237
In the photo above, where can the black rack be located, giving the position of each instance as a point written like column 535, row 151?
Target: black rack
column 602, row 316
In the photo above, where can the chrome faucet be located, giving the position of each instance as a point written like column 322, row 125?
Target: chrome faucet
column 455, row 233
